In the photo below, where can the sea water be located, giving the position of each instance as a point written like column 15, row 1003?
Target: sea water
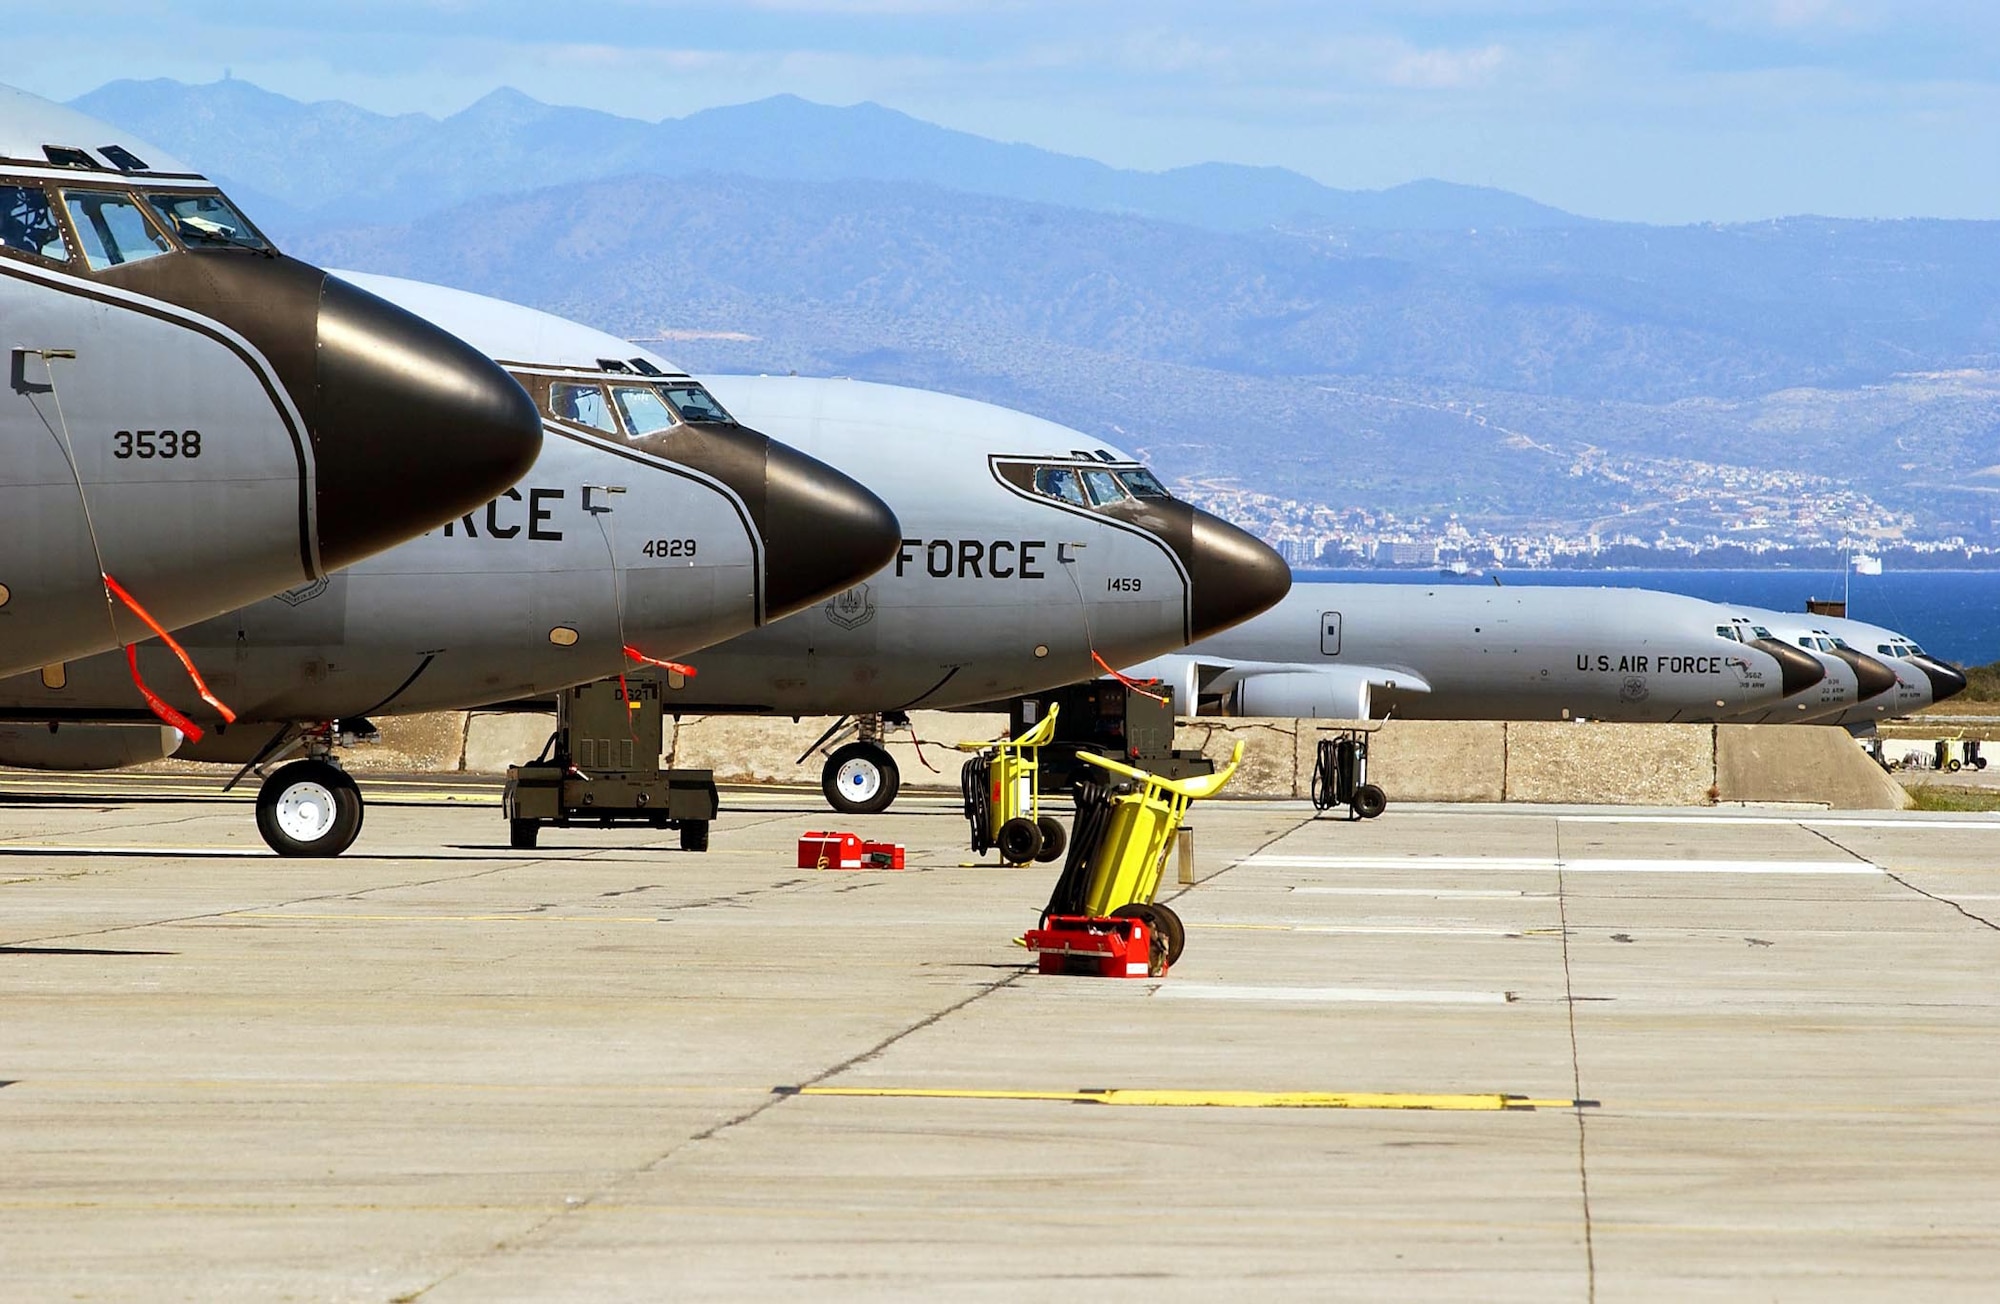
column 1953, row 614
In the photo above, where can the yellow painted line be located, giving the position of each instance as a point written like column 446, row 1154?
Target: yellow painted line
column 289, row 916
column 1215, row 1099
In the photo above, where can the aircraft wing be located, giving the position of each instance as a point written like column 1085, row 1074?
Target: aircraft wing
column 1279, row 688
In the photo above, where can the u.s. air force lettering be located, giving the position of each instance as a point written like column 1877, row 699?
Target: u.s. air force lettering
column 1642, row 664
column 978, row 559
column 538, row 513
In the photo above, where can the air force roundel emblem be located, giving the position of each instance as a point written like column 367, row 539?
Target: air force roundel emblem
column 852, row 608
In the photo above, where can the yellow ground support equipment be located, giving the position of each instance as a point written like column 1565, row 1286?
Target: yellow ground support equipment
column 1120, row 842
column 1003, row 796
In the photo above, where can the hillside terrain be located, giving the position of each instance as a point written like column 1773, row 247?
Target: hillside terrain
column 1523, row 367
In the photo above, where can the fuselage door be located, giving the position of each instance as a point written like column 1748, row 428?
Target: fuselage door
column 1329, row 633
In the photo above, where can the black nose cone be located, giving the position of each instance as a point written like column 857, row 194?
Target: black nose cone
column 823, row 532
column 1946, row 679
column 1798, row 669
column 1234, row 574
column 414, row 426
column 1873, row 677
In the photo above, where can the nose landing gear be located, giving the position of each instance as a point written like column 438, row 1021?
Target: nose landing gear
column 861, row 777
column 310, row 807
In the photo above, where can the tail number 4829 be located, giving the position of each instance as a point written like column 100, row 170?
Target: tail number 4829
column 144, row 444
column 669, row 548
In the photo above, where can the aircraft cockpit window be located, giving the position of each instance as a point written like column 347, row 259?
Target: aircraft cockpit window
column 112, row 229
column 28, row 223
column 696, row 404
column 645, row 411
column 1104, row 488
column 207, row 221
column 583, row 404
column 1728, row 632
column 1141, row 483
column 1059, row 483
column 1759, row 631
column 1912, row 650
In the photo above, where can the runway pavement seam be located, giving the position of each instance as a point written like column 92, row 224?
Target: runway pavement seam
column 1250, row 855
column 1898, row 879
column 1576, row 1081
column 579, row 1204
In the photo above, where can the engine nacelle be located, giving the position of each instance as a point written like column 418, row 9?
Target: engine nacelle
column 85, row 746
column 1335, row 693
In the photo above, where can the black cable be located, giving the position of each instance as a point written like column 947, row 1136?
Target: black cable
column 976, row 780
column 1325, row 780
column 1093, row 819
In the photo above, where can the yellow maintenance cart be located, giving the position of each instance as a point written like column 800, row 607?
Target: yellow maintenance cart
column 1003, row 796
column 1120, row 846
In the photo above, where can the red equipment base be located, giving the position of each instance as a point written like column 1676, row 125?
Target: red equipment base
column 847, row 851
column 1092, row 947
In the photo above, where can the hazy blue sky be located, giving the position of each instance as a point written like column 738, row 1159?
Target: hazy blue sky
column 1661, row 110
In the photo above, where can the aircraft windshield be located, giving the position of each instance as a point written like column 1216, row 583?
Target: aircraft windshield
column 644, row 410
column 696, row 404
column 112, row 229
column 1143, row 484
column 1103, row 488
column 1059, row 483
column 28, row 223
column 1760, row 631
column 207, row 221
column 583, row 404
column 1728, row 632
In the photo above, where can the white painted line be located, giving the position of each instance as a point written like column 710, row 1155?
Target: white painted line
column 1454, row 894
column 164, row 853
column 1328, row 995
column 1816, row 821
column 1384, row 930
column 1584, row 866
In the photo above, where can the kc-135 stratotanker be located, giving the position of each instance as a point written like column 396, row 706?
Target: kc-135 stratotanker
column 193, row 420
column 651, row 524
column 1457, row 652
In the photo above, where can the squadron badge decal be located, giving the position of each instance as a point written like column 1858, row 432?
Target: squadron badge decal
column 304, row 593
column 1634, row 690
column 852, row 608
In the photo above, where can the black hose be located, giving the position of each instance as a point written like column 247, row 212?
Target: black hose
column 976, row 781
column 1093, row 818
column 1326, row 776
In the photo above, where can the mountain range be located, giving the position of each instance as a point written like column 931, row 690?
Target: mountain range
column 1427, row 348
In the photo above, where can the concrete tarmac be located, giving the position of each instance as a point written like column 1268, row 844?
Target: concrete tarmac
column 1751, row 1055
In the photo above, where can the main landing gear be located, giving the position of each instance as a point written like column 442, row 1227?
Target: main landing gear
column 310, row 807
column 860, row 777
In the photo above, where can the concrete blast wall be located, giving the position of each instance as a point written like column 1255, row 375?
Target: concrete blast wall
column 1413, row 760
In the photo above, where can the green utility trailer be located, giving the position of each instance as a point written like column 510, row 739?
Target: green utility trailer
column 601, row 767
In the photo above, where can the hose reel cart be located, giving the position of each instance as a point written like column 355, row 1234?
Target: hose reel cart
column 1340, row 776
column 1002, row 785
column 1125, row 824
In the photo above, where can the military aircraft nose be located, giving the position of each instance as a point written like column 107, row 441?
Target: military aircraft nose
column 1946, row 679
column 823, row 532
column 1798, row 669
column 1234, row 575
column 413, row 427
column 1873, row 677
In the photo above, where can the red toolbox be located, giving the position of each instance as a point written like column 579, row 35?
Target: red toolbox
column 830, row 851
column 1093, row 947
column 882, row 855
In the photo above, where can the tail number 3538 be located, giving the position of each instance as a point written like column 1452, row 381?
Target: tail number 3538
column 145, row 444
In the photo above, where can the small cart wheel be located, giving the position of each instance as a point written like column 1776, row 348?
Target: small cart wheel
column 1169, row 936
column 1369, row 801
column 521, row 834
column 1019, row 841
column 694, row 835
column 1953, row 766
column 1054, row 838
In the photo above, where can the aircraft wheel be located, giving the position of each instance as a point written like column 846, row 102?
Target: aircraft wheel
column 694, row 835
column 1369, row 801
column 521, row 834
column 860, row 779
column 309, row 808
column 1019, row 841
column 1054, row 838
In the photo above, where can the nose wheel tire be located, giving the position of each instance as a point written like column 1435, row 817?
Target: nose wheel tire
column 860, row 779
column 309, row 808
